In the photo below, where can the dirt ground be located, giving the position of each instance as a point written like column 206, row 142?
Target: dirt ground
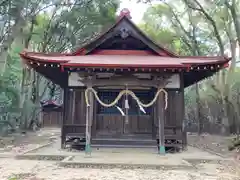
column 39, row 137
column 19, row 143
column 13, row 169
column 213, row 143
column 41, row 170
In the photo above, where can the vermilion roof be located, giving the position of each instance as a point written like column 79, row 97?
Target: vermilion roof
column 86, row 56
column 82, row 59
column 126, row 60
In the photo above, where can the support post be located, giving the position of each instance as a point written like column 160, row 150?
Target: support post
column 89, row 116
column 126, row 105
column 182, row 104
column 161, row 120
column 64, row 117
column 184, row 133
column 73, row 99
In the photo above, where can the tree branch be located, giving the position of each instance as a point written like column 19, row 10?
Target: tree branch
column 210, row 19
column 63, row 5
column 3, row 2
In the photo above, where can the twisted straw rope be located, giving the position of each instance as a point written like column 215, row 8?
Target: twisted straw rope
column 124, row 92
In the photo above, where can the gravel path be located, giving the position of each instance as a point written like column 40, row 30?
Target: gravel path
column 11, row 169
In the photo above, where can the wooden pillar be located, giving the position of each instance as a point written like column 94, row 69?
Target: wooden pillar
column 73, row 101
column 89, row 120
column 126, row 120
column 184, row 133
column 94, row 118
column 154, row 117
column 64, row 116
column 161, row 121
column 182, row 104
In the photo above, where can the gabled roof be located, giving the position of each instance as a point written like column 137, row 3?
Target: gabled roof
column 124, row 18
column 152, row 58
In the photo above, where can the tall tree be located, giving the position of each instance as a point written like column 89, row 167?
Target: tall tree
column 38, row 25
column 204, row 28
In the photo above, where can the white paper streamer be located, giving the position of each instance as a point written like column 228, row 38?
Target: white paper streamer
column 126, row 104
column 142, row 109
column 121, row 111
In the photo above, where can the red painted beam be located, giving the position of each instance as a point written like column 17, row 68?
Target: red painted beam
column 123, row 65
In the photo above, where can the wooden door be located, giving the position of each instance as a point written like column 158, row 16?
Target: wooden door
column 109, row 121
column 140, row 122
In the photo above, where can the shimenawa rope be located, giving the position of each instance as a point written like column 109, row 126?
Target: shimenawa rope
column 124, row 92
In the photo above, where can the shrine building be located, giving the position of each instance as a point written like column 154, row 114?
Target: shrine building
column 122, row 89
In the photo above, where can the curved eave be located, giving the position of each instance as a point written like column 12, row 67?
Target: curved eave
column 193, row 77
column 123, row 60
column 33, row 57
column 53, row 69
column 67, row 63
column 221, row 58
column 135, row 60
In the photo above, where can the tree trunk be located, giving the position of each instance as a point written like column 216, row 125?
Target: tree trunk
column 16, row 33
column 198, row 111
column 235, row 18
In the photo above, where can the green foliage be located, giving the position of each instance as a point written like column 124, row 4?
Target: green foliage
column 60, row 26
column 202, row 27
column 162, row 36
column 46, row 26
column 157, row 25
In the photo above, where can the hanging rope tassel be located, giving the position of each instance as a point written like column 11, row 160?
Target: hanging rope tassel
column 129, row 92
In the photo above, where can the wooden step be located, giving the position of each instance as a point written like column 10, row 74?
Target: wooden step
column 125, row 136
column 124, row 141
column 121, row 146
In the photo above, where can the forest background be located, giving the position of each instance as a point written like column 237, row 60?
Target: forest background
column 187, row 27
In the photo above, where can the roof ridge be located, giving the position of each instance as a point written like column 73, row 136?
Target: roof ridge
column 123, row 15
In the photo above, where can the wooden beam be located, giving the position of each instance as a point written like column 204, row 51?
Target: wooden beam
column 156, row 80
column 107, row 88
column 130, row 80
column 122, row 82
column 124, row 52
